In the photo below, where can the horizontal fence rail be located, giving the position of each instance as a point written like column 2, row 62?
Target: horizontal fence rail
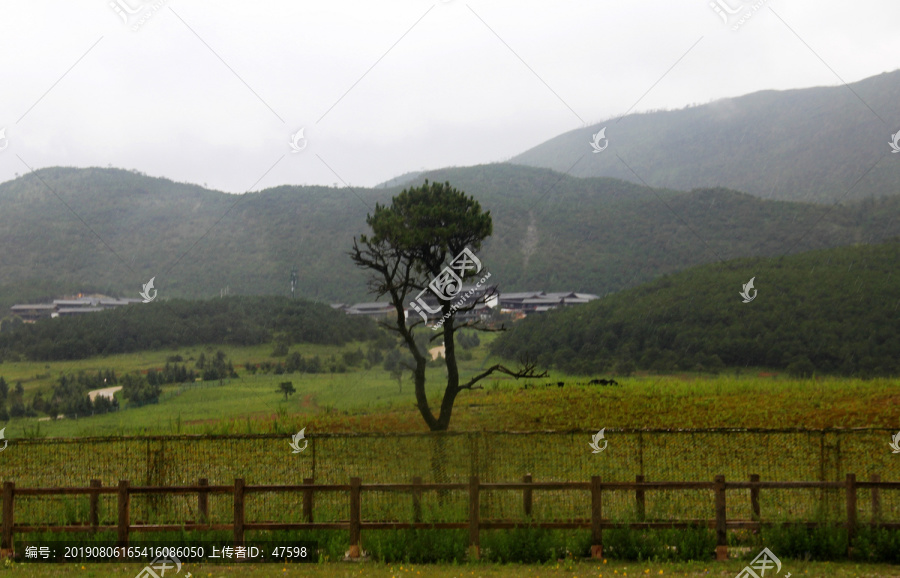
column 474, row 489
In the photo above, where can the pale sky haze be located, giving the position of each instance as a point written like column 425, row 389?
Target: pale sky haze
column 211, row 92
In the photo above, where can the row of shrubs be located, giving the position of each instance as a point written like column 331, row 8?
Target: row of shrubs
column 535, row 545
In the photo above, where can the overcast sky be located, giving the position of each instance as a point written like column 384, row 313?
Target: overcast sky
column 212, row 91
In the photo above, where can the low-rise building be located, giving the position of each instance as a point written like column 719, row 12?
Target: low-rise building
column 540, row 301
column 65, row 307
column 485, row 298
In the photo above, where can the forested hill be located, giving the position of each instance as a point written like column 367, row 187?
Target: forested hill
column 810, row 144
column 832, row 311
column 66, row 230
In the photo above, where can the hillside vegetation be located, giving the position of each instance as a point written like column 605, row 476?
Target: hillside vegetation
column 551, row 232
column 810, row 144
column 180, row 323
column 832, row 311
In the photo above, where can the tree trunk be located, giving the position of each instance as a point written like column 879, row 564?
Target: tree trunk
column 422, row 398
column 439, row 459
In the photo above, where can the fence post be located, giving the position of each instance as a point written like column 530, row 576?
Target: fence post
column 754, row 500
column 308, row 501
column 596, row 517
column 876, row 499
column 641, row 451
column 417, row 499
column 124, row 513
column 6, row 540
column 721, row 527
column 312, row 443
column 527, row 496
column 851, row 512
column 203, row 502
column 238, row 511
column 639, row 499
column 474, row 541
column 94, row 500
column 354, row 517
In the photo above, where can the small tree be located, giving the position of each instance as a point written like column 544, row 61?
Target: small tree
column 396, row 365
column 287, row 388
column 138, row 391
column 410, row 242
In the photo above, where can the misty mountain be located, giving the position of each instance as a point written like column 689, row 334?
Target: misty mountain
column 65, row 230
column 810, row 144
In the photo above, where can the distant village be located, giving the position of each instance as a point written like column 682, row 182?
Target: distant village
column 519, row 304
column 69, row 306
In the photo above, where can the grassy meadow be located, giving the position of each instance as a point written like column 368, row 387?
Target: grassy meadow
column 370, row 400
column 367, row 403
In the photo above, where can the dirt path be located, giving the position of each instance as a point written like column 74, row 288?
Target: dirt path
column 436, row 352
column 107, row 392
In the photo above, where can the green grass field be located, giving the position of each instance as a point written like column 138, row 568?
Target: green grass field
column 369, row 402
column 363, row 400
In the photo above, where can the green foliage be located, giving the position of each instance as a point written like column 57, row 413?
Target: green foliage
column 138, row 391
column 468, row 339
column 821, row 543
column 686, row 544
column 287, row 388
column 831, row 311
column 397, row 362
column 530, row 545
column 70, row 395
column 410, row 242
column 877, row 545
column 178, row 323
column 589, row 234
column 801, row 367
column 429, row 224
column 353, row 358
column 416, row 546
column 171, row 373
column 281, row 349
column 219, row 367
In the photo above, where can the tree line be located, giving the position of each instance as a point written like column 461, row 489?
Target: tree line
column 831, row 311
column 182, row 323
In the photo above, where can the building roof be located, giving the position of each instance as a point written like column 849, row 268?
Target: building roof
column 116, row 302
column 528, row 295
column 560, row 295
column 371, row 306
column 542, row 301
column 67, row 310
column 33, row 307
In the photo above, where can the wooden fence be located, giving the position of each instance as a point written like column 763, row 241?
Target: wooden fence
column 595, row 521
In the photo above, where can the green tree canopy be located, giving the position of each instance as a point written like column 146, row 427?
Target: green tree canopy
column 410, row 242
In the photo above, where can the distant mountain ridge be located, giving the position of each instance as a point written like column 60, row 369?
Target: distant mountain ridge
column 67, row 230
column 810, row 144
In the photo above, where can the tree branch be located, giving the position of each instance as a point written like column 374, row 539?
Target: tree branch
column 528, row 371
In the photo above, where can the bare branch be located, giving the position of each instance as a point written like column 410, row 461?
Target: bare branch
column 528, row 372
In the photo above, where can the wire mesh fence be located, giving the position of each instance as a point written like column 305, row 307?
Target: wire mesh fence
column 658, row 455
